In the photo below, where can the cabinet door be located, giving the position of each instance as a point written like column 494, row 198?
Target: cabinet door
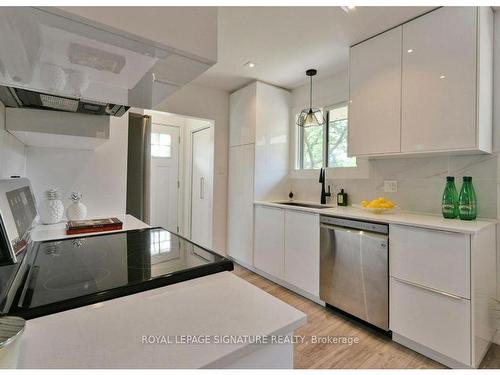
column 302, row 250
column 439, row 81
column 375, row 95
column 436, row 321
column 432, row 258
column 242, row 116
column 269, row 240
column 240, row 203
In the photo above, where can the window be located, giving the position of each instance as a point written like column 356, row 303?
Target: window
column 325, row 146
column 161, row 145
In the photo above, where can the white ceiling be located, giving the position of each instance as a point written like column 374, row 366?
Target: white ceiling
column 286, row 41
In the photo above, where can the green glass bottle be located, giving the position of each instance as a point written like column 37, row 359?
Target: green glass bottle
column 449, row 204
column 467, row 203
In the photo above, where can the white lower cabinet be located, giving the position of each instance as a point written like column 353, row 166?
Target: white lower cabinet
column 302, row 250
column 286, row 246
column 437, row 321
column 433, row 258
column 268, row 251
column 440, row 283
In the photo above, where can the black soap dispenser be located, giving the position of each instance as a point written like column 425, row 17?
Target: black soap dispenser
column 342, row 198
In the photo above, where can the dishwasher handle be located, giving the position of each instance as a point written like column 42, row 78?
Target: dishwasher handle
column 366, row 233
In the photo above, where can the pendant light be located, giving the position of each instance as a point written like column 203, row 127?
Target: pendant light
column 311, row 116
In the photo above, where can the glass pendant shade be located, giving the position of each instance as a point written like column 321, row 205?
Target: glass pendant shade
column 310, row 116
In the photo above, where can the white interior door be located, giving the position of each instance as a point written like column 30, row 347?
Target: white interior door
column 164, row 176
column 201, row 188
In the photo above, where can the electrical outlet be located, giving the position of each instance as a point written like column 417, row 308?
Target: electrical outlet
column 390, row 186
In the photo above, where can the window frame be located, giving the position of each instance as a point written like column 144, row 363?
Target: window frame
column 299, row 158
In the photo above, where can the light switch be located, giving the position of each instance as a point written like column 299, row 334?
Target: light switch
column 390, row 186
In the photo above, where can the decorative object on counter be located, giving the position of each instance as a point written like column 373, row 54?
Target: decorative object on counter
column 322, row 179
column 76, row 210
column 311, row 116
column 342, row 198
column 467, row 202
column 51, row 209
column 91, row 226
column 377, row 206
column 449, row 203
column 290, row 195
column 11, row 328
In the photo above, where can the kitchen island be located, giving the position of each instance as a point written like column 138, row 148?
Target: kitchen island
column 164, row 328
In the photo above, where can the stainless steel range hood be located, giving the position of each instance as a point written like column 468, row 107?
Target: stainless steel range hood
column 51, row 61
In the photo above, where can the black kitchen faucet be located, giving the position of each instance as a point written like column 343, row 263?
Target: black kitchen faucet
column 322, row 179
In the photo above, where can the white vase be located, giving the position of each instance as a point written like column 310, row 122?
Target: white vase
column 51, row 209
column 76, row 211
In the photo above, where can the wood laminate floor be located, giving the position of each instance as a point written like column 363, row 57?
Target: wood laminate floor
column 373, row 350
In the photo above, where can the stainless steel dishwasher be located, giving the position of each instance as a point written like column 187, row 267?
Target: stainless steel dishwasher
column 354, row 269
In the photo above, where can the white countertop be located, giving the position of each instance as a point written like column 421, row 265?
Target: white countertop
column 109, row 334
column 394, row 217
column 57, row 231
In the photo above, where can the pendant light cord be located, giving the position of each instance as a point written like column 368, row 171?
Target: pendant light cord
column 311, row 94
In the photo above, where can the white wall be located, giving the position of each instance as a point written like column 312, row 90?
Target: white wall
column 12, row 152
column 101, row 175
column 198, row 101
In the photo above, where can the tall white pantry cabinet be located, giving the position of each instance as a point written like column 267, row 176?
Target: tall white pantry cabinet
column 258, row 159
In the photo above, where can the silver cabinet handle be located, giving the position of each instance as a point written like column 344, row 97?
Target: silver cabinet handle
column 429, row 289
column 202, row 188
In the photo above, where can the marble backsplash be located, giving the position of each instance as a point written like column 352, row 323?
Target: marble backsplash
column 421, row 181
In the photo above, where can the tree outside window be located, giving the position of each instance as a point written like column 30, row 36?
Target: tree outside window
column 325, row 146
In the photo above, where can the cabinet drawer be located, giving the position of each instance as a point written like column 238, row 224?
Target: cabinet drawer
column 434, row 320
column 436, row 259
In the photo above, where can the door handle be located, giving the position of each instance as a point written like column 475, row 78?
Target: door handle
column 202, row 188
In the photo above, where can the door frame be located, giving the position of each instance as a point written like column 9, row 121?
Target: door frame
column 180, row 163
column 212, row 168
column 184, row 196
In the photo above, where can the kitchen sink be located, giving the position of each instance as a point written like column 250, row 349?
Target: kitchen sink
column 307, row 205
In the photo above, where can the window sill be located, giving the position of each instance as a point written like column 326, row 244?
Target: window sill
column 361, row 171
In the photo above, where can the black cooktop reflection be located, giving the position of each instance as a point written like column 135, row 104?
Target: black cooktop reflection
column 76, row 272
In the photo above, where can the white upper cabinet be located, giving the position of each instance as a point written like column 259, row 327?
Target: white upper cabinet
column 190, row 29
column 375, row 95
column 425, row 86
column 242, row 115
column 439, row 81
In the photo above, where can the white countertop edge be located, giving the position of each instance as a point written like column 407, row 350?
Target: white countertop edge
column 245, row 350
column 400, row 217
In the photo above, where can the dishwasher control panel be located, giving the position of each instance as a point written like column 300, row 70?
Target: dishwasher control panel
column 355, row 224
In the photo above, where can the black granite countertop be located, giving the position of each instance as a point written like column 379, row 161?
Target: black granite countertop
column 66, row 274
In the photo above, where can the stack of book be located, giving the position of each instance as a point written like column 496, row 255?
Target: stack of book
column 91, row 226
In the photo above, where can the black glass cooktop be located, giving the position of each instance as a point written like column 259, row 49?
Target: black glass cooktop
column 65, row 274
